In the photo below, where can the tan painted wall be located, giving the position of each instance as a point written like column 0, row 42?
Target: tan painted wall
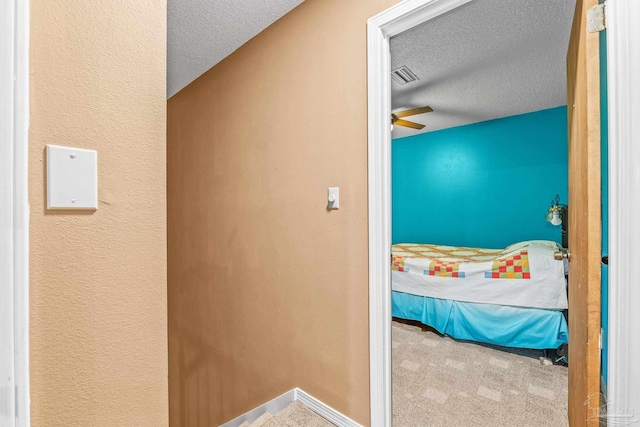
column 98, row 280
column 268, row 290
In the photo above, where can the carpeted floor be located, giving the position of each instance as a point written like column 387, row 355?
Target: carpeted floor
column 441, row 382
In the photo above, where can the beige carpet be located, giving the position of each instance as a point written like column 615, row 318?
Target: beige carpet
column 441, row 382
column 294, row 415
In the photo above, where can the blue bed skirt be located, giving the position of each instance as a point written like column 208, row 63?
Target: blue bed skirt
column 507, row 326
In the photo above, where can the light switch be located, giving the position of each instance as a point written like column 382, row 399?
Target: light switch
column 72, row 178
column 333, row 198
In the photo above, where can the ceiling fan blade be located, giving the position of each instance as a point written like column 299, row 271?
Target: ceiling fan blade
column 413, row 112
column 408, row 124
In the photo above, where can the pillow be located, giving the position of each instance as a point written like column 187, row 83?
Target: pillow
column 546, row 243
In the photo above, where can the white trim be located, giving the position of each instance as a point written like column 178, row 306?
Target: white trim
column 7, row 330
column 623, row 63
column 14, row 210
column 276, row 405
column 324, row 410
column 21, row 217
column 380, row 28
column 379, row 229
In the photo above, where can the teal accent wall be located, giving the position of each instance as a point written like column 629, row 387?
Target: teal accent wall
column 604, row 140
column 486, row 184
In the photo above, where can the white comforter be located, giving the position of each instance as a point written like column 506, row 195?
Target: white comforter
column 522, row 275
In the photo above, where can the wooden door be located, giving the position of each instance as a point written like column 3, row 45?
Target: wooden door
column 583, row 105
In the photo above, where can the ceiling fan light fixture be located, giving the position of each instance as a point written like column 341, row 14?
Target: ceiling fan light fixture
column 396, row 118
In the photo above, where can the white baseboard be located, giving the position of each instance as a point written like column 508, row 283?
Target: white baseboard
column 279, row 403
column 274, row 406
column 324, row 410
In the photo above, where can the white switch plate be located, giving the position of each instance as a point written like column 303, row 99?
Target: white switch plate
column 72, row 178
column 333, row 198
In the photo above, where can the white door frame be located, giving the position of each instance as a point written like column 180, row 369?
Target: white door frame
column 380, row 28
column 623, row 39
column 623, row 63
column 14, row 212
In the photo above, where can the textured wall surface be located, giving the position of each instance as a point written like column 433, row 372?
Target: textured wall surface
column 267, row 289
column 98, row 279
column 487, row 184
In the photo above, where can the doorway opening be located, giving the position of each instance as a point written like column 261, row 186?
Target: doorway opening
column 479, row 158
column 382, row 30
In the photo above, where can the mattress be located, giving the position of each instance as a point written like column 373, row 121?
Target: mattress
column 524, row 274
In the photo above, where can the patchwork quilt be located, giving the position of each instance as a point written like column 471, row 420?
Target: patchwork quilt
column 523, row 275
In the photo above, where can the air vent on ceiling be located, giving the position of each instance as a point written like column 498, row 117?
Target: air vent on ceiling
column 403, row 75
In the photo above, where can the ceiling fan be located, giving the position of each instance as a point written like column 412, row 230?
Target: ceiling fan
column 396, row 118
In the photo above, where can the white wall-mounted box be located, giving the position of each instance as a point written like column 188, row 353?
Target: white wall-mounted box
column 72, row 178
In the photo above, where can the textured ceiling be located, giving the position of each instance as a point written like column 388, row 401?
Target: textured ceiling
column 201, row 33
column 485, row 60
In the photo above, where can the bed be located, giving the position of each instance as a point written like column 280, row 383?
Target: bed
column 513, row 297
